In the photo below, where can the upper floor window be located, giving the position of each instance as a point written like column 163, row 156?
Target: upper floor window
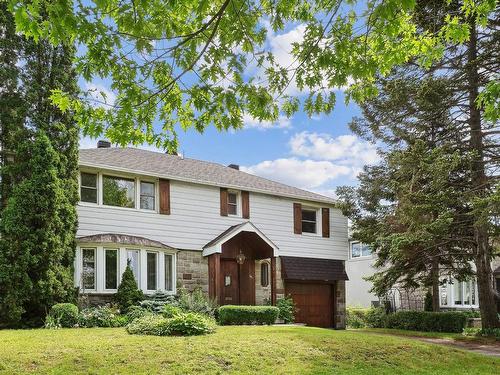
column 117, row 191
column 147, row 192
column 232, row 203
column 88, row 189
column 359, row 250
column 309, row 220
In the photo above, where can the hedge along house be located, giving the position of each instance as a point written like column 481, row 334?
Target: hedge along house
column 193, row 224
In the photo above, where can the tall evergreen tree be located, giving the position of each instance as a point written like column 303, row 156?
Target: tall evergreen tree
column 36, row 69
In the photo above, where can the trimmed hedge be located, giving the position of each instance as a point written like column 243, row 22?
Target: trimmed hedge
column 232, row 314
column 64, row 314
column 426, row 321
column 358, row 317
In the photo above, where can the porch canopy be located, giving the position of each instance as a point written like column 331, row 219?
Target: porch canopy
column 249, row 233
column 312, row 269
column 122, row 239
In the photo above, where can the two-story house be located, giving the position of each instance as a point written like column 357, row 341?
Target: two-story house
column 188, row 223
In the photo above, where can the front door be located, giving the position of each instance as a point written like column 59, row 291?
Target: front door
column 230, row 282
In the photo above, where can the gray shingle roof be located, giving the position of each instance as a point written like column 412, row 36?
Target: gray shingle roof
column 185, row 169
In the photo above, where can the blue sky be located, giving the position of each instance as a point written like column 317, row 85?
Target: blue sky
column 316, row 154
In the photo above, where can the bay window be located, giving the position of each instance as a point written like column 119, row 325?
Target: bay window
column 152, row 270
column 111, row 268
column 133, row 262
column 88, row 268
column 169, row 272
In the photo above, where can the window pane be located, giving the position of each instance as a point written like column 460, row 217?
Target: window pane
column 473, row 292
column 356, row 250
column 168, row 272
column 88, row 195
column 88, row 188
column 147, row 195
column 88, row 268
column 118, row 192
column 264, row 274
column 231, row 198
column 467, row 293
column 133, row 259
column 89, row 180
column 308, row 227
column 111, row 269
column 458, row 292
column 366, row 250
column 151, row 271
column 232, row 209
column 309, row 215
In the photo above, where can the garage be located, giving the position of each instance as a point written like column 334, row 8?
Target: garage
column 311, row 284
column 314, row 303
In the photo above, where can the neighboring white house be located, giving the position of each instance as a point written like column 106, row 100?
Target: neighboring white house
column 189, row 223
column 454, row 294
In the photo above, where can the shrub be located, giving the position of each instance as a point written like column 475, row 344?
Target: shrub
column 63, row 314
column 197, row 302
column 190, row 324
column 482, row 332
column 375, row 317
column 169, row 311
column 150, row 324
column 102, row 316
column 157, row 301
column 286, row 309
column 356, row 317
column 184, row 324
column 470, row 314
column 128, row 294
column 135, row 312
column 427, row 321
column 230, row 314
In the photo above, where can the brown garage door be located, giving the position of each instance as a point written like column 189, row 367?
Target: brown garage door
column 314, row 303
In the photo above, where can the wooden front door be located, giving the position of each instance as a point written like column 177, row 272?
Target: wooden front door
column 230, row 283
column 314, row 303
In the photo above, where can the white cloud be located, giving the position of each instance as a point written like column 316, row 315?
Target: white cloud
column 306, row 174
column 250, row 122
column 345, row 149
column 100, row 94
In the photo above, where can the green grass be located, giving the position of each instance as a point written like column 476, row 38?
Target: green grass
column 437, row 335
column 244, row 350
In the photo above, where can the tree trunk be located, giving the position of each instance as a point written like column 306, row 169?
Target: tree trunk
column 435, row 285
column 487, row 303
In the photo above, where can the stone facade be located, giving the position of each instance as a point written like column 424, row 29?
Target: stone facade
column 192, row 270
column 340, row 308
column 263, row 293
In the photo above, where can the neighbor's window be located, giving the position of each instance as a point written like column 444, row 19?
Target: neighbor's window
column 133, row 261
column 308, row 220
column 169, row 272
column 111, row 268
column 88, row 268
column 359, row 249
column 147, row 195
column 264, row 274
column 88, row 187
column 152, row 270
column 232, row 203
column 118, row 191
column 464, row 292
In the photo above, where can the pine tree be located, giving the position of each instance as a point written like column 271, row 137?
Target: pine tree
column 128, row 294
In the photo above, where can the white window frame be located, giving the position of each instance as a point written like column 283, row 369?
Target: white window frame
column 361, row 256
column 118, row 278
column 157, row 270
column 463, row 284
column 94, row 249
column 139, row 264
column 137, row 189
column 173, row 275
column 317, row 226
column 238, row 203
column 89, row 187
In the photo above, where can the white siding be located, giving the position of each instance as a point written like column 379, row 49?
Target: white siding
column 195, row 220
column 357, row 289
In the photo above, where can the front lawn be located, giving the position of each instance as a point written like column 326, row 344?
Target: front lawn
column 260, row 349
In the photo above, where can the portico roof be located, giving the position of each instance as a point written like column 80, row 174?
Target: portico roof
column 215, row 245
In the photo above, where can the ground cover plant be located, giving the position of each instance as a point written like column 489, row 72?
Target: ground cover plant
column 232, row 349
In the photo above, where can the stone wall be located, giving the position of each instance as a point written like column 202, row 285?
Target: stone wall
column 192, row 270
column 340, row 313
column 263, row 294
